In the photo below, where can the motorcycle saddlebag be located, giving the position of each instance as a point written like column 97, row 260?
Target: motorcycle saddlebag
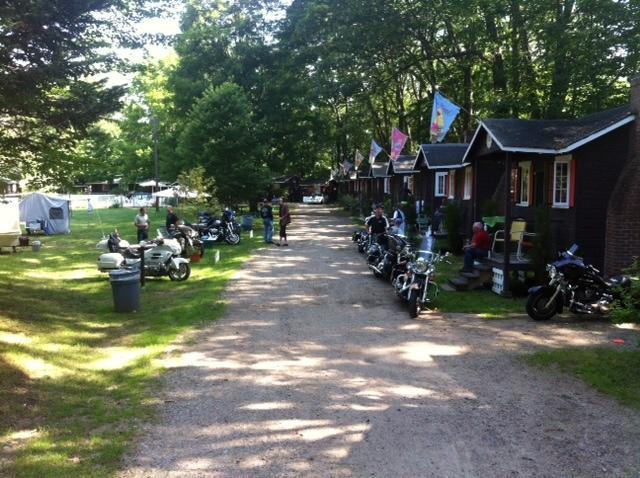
column 110, row 261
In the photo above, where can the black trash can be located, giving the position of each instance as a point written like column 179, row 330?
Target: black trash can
column 125, row 285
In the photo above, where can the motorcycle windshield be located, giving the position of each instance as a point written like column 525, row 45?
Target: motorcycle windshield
column 428, row 243
column 426, row 255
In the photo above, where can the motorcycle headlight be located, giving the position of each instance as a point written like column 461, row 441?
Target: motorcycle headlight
column 419, row 266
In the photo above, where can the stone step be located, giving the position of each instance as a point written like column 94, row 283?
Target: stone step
column 460, row 283
column 470, row 275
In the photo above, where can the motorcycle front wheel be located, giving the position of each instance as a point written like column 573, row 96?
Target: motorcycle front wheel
column 180, row 274
column 414, row 303
column 537, row 307
column 233, row 238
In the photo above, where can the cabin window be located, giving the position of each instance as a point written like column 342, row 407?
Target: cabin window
column 524, row 182
column 441, row 184
column 387, row 185
column 562, row 182
column 468, row 182
column 452, row 184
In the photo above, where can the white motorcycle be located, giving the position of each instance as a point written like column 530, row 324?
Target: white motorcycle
column 161, row 257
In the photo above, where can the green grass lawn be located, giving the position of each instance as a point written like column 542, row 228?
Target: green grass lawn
column 614, row 372
column 77, row 379
column 484, row 303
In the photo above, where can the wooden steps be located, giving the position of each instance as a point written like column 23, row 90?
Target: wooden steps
column 472, row 280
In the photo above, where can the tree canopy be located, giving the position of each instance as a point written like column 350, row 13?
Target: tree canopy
column 258, row 89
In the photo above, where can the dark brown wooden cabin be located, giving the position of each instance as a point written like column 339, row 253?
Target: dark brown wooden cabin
column 569, row 167
column 442, row 177
column 401, row 174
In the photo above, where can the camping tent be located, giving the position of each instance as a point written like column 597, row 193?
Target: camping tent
column 9, row 223
column 175, row 192
column 50, row 211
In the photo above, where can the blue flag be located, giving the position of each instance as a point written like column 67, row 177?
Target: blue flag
column 375, row 151
column 444, row 113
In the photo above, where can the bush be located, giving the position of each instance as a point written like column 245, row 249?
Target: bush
column 541, row 253
column 348, row 203
column 453, row 222
column 627, row 308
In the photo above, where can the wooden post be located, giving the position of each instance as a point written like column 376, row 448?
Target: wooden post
column 506, row 292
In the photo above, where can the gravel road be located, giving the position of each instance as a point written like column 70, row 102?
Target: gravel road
column 316, row 370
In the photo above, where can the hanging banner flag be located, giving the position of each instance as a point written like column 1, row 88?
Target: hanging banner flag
column 443, row 114
column 375, row 151
column 359, row 159
column 398, row 140
column 346, row 166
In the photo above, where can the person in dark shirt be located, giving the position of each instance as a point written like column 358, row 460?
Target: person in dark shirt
column 267, row 220
column 172, row 219
column 479, row 247
column 378, row 223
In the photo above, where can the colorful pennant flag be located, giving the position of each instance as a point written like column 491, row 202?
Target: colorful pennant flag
column 443, row 115
column 359, row 159
column 398, row 140
column 375, row 151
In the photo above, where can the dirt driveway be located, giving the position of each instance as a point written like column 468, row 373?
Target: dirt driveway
column 316, row 370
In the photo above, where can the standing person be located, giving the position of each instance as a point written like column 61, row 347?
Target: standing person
column 479, row 247
column 142, row 224
column 400, row 219
column 285, row 220
column 172, row 219
column 266, row 212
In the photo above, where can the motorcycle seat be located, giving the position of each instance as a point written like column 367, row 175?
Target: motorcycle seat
column 619, row 281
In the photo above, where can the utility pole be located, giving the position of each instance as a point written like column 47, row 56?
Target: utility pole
column 154, row 130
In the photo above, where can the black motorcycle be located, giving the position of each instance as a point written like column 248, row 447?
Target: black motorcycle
column 189, row 240
column 388, row 256
column 362, row 240
column 416, row 286
column 573, row 284
column 218, row 230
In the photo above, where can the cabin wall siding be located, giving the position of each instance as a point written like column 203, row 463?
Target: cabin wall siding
column 598, row 167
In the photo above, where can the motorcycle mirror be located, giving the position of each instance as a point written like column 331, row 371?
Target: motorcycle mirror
column 572, row 250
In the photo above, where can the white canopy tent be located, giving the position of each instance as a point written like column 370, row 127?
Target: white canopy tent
column 52, row 212
column 175, row 192
column 9, row 223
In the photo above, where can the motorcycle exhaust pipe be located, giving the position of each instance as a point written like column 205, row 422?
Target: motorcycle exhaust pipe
column 375, row 269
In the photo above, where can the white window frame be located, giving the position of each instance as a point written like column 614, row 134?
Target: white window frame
column 452, row 184
column 524, row 166
column 562, row 160
column 387, row 185
column 468, row 182
column 437, row 192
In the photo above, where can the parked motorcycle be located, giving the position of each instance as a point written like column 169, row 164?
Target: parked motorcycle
column 224, row 229
column 388, row 257
column 362, row 240
column 161, row 257
column 189, row 240
column 416, row 286
column 573, row 284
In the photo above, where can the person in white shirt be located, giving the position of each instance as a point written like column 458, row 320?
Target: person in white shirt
column 400, row 220
column 142, row 224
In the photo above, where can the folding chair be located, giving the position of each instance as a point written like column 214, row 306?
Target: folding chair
column 518, row 228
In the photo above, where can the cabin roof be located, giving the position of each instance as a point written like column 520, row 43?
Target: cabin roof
column 553, row 136
column 379, row 169
column 442, row 156
column 405, row 164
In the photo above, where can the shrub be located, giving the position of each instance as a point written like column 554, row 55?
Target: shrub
column 348, row 203
column 541, row 253
column 453, row 222
column 627, row 308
